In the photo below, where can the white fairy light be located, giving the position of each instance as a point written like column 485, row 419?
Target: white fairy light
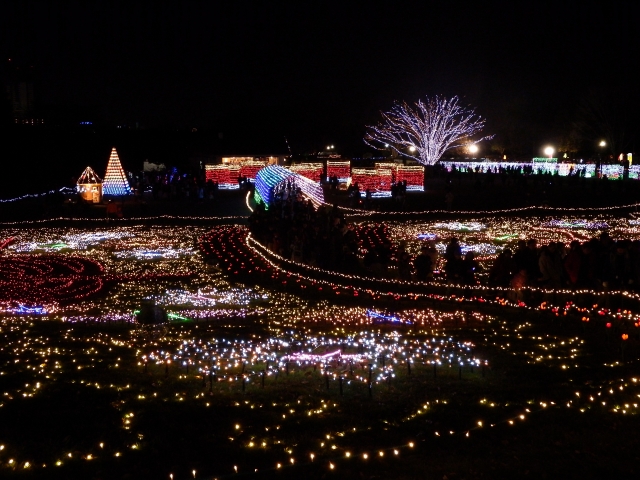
column 425, row 130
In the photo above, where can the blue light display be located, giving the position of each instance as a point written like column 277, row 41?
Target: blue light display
column 270, row 178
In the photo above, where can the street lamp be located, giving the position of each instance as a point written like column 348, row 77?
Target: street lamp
column 549, row 151
column 412, row 149
column 602, row 144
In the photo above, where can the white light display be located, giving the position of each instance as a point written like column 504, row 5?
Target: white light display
column 425, row 130
column 461, row 226
column 613, row 172
column 145, row 254
column 73, row 241
column 212, row 298
column 586, row 170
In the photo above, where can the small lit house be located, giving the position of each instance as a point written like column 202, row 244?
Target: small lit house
column 89, row 186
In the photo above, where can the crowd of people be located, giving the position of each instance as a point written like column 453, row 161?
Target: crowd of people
column 174, row 186
column 293, row 228
column 597, row 264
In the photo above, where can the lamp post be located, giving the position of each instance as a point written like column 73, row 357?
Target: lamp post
column 602, row 144
column 473, row 150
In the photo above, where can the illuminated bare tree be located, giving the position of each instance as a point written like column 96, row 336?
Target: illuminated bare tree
column 427, row 129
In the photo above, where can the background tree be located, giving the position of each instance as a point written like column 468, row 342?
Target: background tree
column 425, row 130
column 608, row 114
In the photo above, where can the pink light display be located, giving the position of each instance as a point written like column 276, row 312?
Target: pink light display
column 413, row 175
column 250, row 169
column 312, row 171
column 48, row 279
column 342, row 170
column 385, row 166
column 226, row 176
column 372, row 179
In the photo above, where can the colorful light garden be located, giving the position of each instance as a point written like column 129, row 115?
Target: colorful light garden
column 264, row 367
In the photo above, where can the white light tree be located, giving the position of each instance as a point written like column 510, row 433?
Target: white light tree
column 427, row 129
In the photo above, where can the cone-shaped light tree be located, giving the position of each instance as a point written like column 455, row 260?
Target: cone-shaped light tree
column 115, row 180
column 425, row 130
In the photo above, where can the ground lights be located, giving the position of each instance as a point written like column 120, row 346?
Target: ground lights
column 378, row 353
column 292, row 331
column 261, row 261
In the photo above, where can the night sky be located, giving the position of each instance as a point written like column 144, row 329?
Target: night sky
column 318, row 72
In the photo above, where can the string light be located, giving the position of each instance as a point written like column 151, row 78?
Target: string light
column 63, row 191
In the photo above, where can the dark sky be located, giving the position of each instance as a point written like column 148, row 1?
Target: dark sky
column 319, row 71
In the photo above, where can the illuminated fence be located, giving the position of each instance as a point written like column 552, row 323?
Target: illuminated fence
column 312, row 171
column 226, row 176
column 562, row 169
column 342, row 170
column 565, row 169
column 484, row 167
column 380, row 166
column 634, row 172
column 413, row 175
column 613, row 172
